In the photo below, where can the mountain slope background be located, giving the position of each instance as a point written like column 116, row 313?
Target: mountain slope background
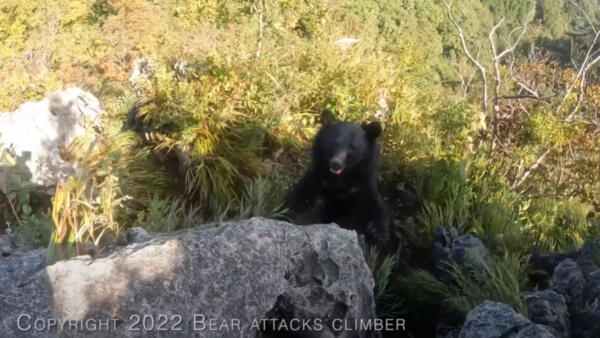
column 223, row 125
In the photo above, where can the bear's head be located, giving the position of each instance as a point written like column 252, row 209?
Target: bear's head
column 342, row 147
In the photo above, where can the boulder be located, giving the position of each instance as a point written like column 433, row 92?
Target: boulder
column 568, row 280
column 582, row 297
column 550, row 309
column 16, row 267
column 586, row 319
column 143, row 69
column 467, row 251
column 586, row 314
column 345, row 43
column 594, row 285
column 498, row 320
column 220, row 282
column 588, row 257
column 6, row 245
column 37, row 130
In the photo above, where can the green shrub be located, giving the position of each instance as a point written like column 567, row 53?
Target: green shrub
column 557, row 225
column 502, row 281
column 263, row 197
column 167, row 215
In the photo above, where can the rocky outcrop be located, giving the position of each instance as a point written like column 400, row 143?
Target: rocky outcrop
column 498, row 320
column 568, row 280
column 16, row 264
column 37, row 130
column 582, row 295
column 220, row 282
column 143, row 69
column 466, row 251
column 346, row 43
column 550, row 309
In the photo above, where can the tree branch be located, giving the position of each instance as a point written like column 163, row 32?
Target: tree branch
column 587, row 18
column 259, row 7
column 496, row 62
column 518, row 97
column 533, row 167
column 580, row 75
column 477, row 64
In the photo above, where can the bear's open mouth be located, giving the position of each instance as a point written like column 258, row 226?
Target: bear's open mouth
column 336, row 172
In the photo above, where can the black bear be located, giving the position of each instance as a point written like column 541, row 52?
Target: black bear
column 341, row 184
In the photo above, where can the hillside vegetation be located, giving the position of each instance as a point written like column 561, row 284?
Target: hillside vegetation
column 519, row 171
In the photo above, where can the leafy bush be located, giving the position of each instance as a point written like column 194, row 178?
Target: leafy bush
column 82, row 214
column 226, row 137
column 167, row 215
column 90, row 205
column 263, row 197
column 503, row 281
column 557, row 225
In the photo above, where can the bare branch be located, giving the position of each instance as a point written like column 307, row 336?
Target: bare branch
column 477, row 64
column 587, row 18
column 511, row 48
column 533, row 167
column 580, row 75
column 259, row 7
column 518, row 97
column 496, row 61
column 498, row 83
column 465, row 84
column 571, row 53
column 519, row 82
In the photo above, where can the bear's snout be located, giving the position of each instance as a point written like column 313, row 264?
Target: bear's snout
column 336, row 164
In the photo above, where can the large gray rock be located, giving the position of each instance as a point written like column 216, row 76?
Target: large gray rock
column 16, row 266
column 6, row 245
column 37, row 130
column 586, row 312
column 586, row 320
column 550, row 309
column 467, row 251
column 568, row 280
column 594, row 285
column 588, row 257
column 235, row 275
column 498, row 320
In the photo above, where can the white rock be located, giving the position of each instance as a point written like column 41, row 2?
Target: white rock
column 345, row 43
column 142, row 71
column 37, row 129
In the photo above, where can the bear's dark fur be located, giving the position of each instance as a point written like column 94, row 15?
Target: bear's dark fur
column 341, row 184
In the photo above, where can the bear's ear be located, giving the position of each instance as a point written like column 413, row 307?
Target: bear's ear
column 373, row 129
column 327, row 117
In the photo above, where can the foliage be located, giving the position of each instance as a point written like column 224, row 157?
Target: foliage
column 90, row 205
column 383, row 270
column 502, row 281
column 422, row 290
column 22, row 211
column 263, row 197
column 101, row 10
column 560, row 225
column 165, row 215
column 225, row 135
column 15, row 185
column 80, row 215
